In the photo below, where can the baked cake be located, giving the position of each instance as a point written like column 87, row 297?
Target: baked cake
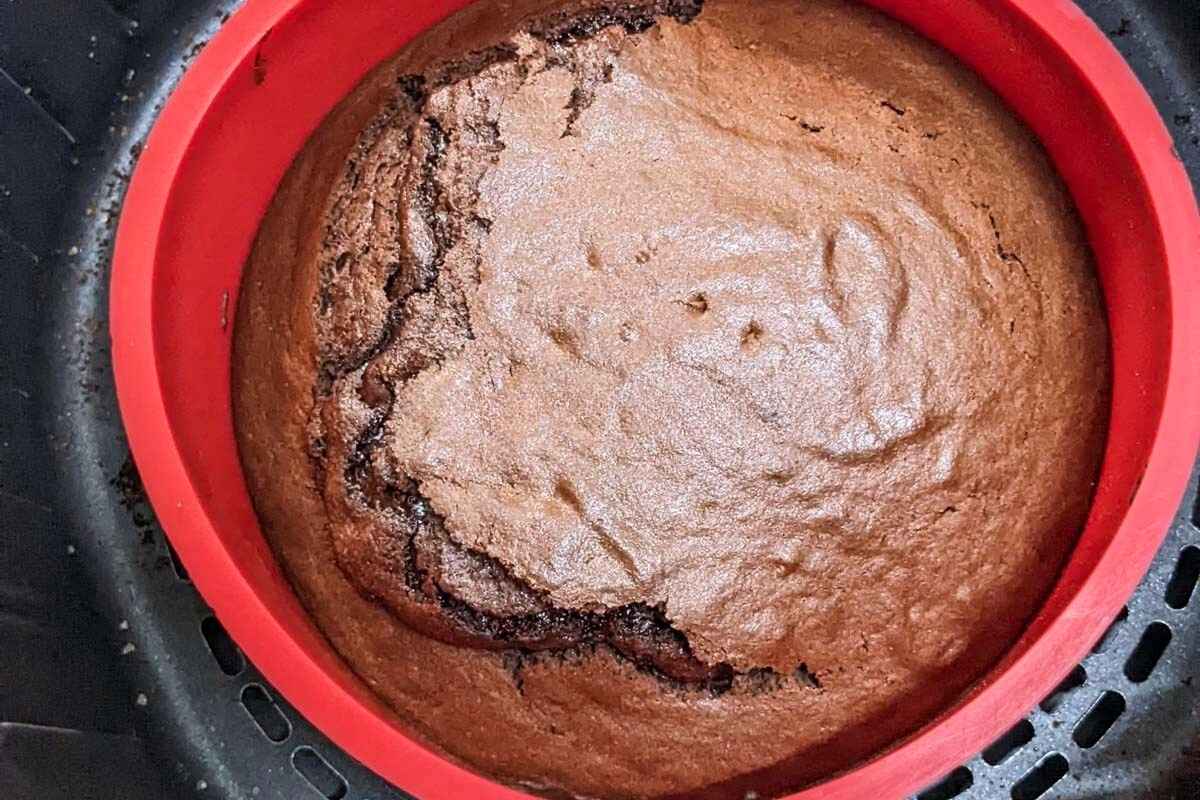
column 656, row 399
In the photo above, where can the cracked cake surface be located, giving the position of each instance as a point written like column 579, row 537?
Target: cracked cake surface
column 662, row 399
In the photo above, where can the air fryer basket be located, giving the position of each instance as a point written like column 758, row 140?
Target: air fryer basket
column 173, row 698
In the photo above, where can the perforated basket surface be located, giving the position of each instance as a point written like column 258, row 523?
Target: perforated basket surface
column 105, row 635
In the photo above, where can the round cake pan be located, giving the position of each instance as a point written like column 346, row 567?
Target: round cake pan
column 260, row 88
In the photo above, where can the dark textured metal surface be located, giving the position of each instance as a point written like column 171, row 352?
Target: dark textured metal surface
column 1151, row 751
column 117, row 641
column 50, row 763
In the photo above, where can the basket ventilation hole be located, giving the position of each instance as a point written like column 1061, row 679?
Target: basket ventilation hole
column 319, row 774
column 1183, row 582
column 1099, row 719
column 228, row 657
column 1020, row 735
column 1107, row 638
column 1041, row 778
column 176, row 564
column 1077, row 678
column 1149, row 650
column 265, row 713
column 950, row 786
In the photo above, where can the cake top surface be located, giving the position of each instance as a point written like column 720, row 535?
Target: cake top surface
column 667, row 337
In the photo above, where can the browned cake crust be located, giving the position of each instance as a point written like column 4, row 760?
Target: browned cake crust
column 649, row 399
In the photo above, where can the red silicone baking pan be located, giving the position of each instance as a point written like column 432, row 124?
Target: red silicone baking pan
column 260, row 88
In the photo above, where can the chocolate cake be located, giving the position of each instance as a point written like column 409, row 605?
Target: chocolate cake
column 659, row 399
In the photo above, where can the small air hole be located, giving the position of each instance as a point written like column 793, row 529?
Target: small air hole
column 752, row 335
column 265, row 713
column 1107, row 638
column 1096, row 722
column 950, row 786
column 180, row 571
column 319, row 774
column 696, row 304
column 1041, row 778
column 1020, row 735
column 228, row 657
column 1149, row 650
column 1077, row 678
column 1183, row 582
